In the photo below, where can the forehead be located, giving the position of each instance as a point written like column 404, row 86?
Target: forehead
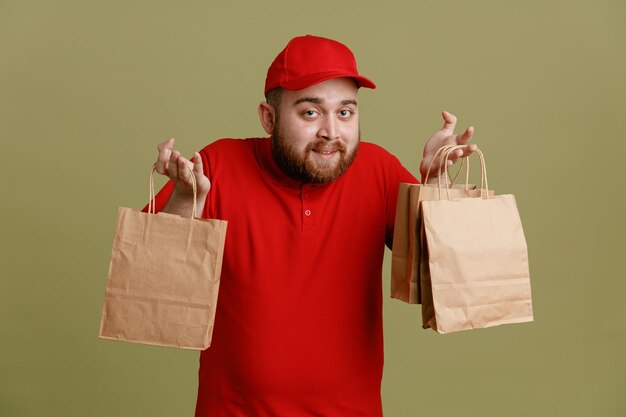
column 334, row 91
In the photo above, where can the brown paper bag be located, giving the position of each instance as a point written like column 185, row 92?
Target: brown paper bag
column 400, row 282
column 163, row 278
column 405, row 281
column 475, row 270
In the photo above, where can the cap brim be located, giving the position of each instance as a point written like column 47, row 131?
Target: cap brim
column 312, row 79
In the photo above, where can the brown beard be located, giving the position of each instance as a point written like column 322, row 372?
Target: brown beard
column 301, row 168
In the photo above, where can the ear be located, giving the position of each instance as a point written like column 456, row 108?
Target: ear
column 267, row 117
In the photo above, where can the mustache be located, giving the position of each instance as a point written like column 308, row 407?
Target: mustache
column 325, row 146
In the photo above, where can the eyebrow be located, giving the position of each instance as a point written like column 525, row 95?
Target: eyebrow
column 316, row 100
column 313, row 100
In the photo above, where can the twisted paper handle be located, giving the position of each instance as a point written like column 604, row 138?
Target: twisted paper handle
column 484, row 185
column 439, row 151
column 152, row 203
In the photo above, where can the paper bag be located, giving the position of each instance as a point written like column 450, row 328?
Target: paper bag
column 163, row 278
column 475, row 270
column 400, row 282
column 405, row 281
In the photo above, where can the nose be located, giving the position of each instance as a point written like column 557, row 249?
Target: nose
column 328, row 129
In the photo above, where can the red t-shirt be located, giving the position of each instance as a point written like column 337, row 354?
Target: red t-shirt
column 298, row 329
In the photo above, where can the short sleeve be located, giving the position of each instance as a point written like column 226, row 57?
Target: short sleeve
column 397, row 174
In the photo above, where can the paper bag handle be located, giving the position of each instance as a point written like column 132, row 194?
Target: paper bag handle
column 440, row 150
column 484, row 184
column 152, row 203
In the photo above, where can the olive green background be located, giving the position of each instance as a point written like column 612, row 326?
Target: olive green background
column 87, row 90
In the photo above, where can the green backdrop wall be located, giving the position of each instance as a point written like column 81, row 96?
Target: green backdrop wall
column 87, row 90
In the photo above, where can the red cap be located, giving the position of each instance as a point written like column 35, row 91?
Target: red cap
column 308, row 60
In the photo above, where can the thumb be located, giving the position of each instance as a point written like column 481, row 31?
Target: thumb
column 449, row 121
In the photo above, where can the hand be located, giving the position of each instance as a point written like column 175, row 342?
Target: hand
column 180, row 170
column 443, row 137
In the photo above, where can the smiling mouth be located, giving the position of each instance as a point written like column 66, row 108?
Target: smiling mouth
column 326, row 153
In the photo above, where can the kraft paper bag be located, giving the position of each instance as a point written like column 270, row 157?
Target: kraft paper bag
column 405, row 281
column 474, row 269
column 163, row 280
column 400, row 283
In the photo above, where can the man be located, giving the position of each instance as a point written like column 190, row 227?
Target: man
column 298, row 329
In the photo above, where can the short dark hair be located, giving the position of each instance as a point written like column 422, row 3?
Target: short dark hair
column 273, row 98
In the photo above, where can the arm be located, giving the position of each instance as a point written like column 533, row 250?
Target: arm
column 443, row 137
column 180, row 170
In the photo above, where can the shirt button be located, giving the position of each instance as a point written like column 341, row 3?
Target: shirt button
column 307, row 212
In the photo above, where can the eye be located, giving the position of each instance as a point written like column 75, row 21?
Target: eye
column 345, row 113
column 310, row 114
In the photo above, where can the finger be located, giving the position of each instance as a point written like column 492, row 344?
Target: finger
column 172, row 166
column 469, row 149
column 443, row 162
column 163, row 161
column 466, row 136
column 449, row 121
column 167, row 144
column 456, row 155
column 462, row 153
column 165, row 150
column 197, row 165
column 198, row 169
column 184, row 170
